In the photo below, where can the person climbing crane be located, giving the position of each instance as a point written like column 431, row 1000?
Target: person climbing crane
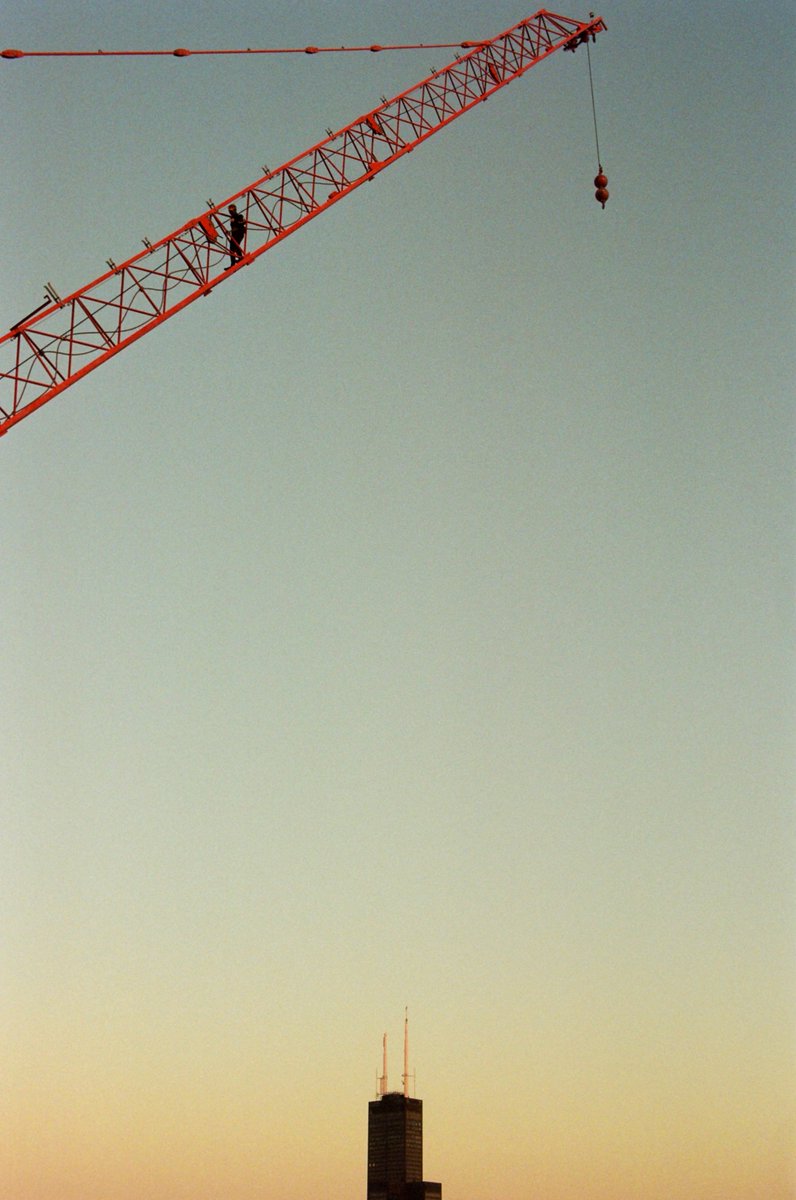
column 237, row 234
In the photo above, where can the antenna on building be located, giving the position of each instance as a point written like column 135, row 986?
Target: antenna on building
column 405, row 1076
column 383, row 1076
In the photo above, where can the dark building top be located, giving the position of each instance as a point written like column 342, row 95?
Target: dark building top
column 395, row 1150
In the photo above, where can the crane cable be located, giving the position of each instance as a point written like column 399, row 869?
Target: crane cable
column 593, row 106
column 182, row 52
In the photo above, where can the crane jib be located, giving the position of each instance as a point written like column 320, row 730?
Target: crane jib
column 64, row 339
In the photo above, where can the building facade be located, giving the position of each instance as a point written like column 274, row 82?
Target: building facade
column 395, row 1150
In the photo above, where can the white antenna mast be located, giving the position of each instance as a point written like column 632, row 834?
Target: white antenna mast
column 383, row 1077
column 405, row 1075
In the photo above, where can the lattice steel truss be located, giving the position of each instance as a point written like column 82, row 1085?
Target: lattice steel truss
column 66, row 338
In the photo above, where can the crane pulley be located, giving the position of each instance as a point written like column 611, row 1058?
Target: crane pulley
column 65, row 338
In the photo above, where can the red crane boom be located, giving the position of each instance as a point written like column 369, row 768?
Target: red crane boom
column 64, row 339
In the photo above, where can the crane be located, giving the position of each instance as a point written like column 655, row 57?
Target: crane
column 63, row 339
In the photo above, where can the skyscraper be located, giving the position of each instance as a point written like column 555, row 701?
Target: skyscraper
column 395, row 1142
column 395, row 1145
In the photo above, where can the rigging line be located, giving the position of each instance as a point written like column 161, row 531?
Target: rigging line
column 593, row 108
column 182, row 52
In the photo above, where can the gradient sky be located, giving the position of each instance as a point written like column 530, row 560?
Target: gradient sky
column 410, row 623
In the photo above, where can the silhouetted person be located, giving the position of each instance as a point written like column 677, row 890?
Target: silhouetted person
column 237, row 232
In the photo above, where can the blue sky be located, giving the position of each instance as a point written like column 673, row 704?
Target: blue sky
column 408, row 623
